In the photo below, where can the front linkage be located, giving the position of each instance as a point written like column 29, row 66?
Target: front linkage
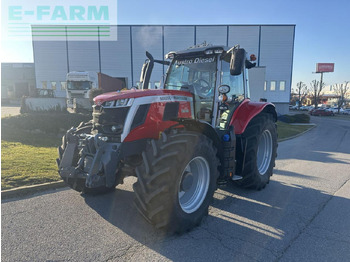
column 88, row 161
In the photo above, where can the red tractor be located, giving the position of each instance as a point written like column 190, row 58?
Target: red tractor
column 181, row 141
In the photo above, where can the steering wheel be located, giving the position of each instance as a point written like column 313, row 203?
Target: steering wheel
column 202, row 90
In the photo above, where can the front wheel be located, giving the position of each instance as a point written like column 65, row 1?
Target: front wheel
column 176, row 180
column 260, row 137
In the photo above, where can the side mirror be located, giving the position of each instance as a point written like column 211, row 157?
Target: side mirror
column 237, row 61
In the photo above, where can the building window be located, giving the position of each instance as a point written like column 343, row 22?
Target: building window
column 272, row 85
column 44, row 84
column 63, row 85
column 282, row 85
column 53, row 85
column 265, row 86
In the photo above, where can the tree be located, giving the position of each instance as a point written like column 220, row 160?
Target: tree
column 341, row 90
column 302, row 92
column 316, row 89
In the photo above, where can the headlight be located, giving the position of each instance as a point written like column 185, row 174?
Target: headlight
column 108, row 103
column 118, row 103
column 121, row 102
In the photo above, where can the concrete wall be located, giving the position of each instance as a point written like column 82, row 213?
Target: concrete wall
column 282, row 108
column 256, row 83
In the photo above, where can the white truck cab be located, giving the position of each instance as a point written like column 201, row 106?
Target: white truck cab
column 79, row 84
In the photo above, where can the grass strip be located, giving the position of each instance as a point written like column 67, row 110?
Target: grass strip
column 23, row 165
column 285, row 130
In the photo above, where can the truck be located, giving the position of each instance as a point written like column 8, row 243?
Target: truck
column 197, row 132
column 80, row 84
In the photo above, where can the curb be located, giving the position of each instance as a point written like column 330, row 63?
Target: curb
column 288, row 138
column 29, row 190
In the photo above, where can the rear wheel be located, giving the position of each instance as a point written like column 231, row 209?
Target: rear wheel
column 261, row 151
column 176, row 180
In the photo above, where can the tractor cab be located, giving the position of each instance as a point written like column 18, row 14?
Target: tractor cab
column 214, row 75
column 206, row 72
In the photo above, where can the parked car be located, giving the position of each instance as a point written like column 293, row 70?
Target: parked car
column 335, row 110
column 310, row 108
column 346, row 112
column 304, row 108
column 321, row 112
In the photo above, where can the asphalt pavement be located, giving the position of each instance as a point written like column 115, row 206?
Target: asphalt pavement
column 302, row 215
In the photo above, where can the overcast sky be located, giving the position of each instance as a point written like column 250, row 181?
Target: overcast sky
column 322, row 28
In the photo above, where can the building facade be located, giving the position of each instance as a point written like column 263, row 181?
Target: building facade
column 17, row 80
column 273, row 46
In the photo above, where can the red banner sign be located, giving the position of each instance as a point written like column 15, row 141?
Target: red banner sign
column 324, row 67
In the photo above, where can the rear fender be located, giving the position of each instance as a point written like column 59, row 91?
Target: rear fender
column 246, row 111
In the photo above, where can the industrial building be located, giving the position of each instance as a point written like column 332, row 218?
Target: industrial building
column 273, row 46
column 17, row 80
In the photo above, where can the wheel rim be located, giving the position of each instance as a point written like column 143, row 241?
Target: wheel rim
column 264, row 154
column 194, row 184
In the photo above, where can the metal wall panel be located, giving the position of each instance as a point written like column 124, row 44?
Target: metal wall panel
column 50, row 63
column 83, row 55
column 245, row 36
column 124, row 57
column 116, row 55
column 276, row 53
column 215, row 35
column 146, row 38
column 178, row 38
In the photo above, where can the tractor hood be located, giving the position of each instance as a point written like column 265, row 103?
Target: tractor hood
column 99, row 100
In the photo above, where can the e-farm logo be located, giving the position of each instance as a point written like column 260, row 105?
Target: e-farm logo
column 61, row 13
column 46, row 20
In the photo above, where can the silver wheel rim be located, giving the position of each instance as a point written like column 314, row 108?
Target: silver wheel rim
column 264, row 154
column 194, row 184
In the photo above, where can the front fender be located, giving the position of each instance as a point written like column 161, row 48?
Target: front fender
column 246, row 111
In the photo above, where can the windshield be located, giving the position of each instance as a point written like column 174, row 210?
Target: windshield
column 197, row 75
column 78, row 85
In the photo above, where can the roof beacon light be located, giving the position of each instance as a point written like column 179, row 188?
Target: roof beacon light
column 252, row 57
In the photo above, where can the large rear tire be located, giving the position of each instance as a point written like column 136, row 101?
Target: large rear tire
column 176, row 180
column 261, row 151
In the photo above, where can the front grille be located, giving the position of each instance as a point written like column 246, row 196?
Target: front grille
column 73, row 95
column 106, row 118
